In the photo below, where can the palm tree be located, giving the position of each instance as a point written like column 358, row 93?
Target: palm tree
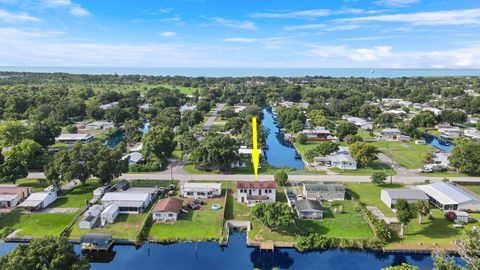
column 423, row 209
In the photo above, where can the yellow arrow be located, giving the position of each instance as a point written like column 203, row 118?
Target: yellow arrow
column 255, row 154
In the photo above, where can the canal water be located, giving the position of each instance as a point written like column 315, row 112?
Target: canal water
column 280, row 153
column 115, row 140
column 209, row 255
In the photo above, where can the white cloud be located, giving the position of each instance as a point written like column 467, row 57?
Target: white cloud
column 167, row 34
column 73, row 8
column 308, row 14
column 397, row 3
column 9, row 17
column 305, row 27
column 448, row 17
column 14, row 34
column 247, row 25
column 386, row 57
column 240, row 40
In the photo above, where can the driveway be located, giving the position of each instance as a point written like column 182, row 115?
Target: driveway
column 379, row 214
column 397, row 167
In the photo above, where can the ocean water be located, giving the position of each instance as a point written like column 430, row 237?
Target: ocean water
column 244, row 72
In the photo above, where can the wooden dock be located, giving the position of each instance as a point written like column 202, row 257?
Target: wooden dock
column 267, row 246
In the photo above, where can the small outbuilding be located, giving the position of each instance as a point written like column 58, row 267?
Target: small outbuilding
column 167, row 210
column 109, row 215
column 390, row 196
column 11, row 196
column 309, row 209
column 39, row 200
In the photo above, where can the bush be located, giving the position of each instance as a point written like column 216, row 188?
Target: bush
column 71, row 129
column 451, row 216
column 280, row 177
column 5, row 231
column 153, row 166
column 350, row 139
column 302, row 138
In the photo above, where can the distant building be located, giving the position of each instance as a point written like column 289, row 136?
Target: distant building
column 167, row 210
column 471, row 133
column 251, row 192
column 185, row 108
column 134, row 158
column 359, row 122
column 341, row 161
column 240, row 107
column 108, row 105
column 319, row 134
column 200, row 190
column 435, row 111
column 75, row 138
column 447, row 196
column 391, row 134
column 390, row 196
column 39, row 200
column 100, row 125
column 321, row 191
column 308, row 209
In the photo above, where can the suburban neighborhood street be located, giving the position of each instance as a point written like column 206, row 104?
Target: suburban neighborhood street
column 165, row 175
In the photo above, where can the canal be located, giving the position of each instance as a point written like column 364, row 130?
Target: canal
column 209, row 255
column 280, row 153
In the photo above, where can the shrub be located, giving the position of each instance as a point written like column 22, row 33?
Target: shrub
column 302, row 138
column 451, row 216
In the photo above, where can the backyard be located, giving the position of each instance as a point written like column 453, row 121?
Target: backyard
column 407, row 154
column 126, row 227
column 369, row 194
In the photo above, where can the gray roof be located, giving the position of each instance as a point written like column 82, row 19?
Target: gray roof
column 407, row 194
column 308, row 205
column 323, row 187
column 448, row 193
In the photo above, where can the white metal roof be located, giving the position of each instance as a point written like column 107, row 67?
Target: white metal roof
column 125, row 196
column 111, row 209
column 38, row 196
column 447, row 193
column 202, row 185
column 8, row 197
column 78, row 137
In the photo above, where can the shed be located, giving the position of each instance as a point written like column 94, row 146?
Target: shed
column 390, row 196
column 88, row 222
column 109, row 215
column 39, row 200
column 309, row 209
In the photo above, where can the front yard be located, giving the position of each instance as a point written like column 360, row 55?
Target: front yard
column 368, row 170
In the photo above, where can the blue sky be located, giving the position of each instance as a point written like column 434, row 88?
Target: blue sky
column 247, row 33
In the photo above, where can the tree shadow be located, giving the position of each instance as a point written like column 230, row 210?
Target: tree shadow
column 271, row 259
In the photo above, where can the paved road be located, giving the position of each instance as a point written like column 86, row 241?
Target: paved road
column 213, row 116
column 294, row 177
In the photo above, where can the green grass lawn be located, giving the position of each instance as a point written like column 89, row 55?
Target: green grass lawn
column 36, row 224
column 196, row 225
column 126, row 226
column 446, row 174
column 407, row 154
column 77, row 197
column 36, row 184
column 364, row 134
column 350, row 224
column 370, row 195
column 373, row 166
column 439, row 230
column 475, row 189
column 303, row 148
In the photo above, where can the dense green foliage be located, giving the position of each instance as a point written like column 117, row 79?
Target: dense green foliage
column 321, row 149
column 465, row 156
column 44, row 253
column 273, row 215
column 363, row 153
column 281, row 178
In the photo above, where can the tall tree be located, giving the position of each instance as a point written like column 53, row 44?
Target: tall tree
column 273, row 215
column 13, row 132
column 346, row 128
column 159, row 142
column 44, row 253
column 216, row 151
column 13, row 168
column 378, row 177
column 465, row 156
column 423, row 208
column 405, row 213
column 363, row 152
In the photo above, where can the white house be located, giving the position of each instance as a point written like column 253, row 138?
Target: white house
column 109, row 215
column 39, row 200
column 167, row 210
column 471, row 133
column 391, row 134
column 202, row 190
column 251, row 192
column 450, row 197
column 359, row 122
column 185, row 108
column 309, row 209
column 390, row 196
column 100, row 125
column 435, row 111
column 341, row 161
column 319, row 134
column 127, row 202
column 74, row 138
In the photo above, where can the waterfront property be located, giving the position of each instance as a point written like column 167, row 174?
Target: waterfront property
column 341, row 161
column 251, row 192
column 128, row 202
column 167, row 210
column 74, row 138
column 109, row 214
column 319, row 134
column 309, row 209
column 322, row 191
column 10, row 196
column 200, row 190
column 90, row 217
column 390, row 196
column 39, row 200
column 447, row 196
